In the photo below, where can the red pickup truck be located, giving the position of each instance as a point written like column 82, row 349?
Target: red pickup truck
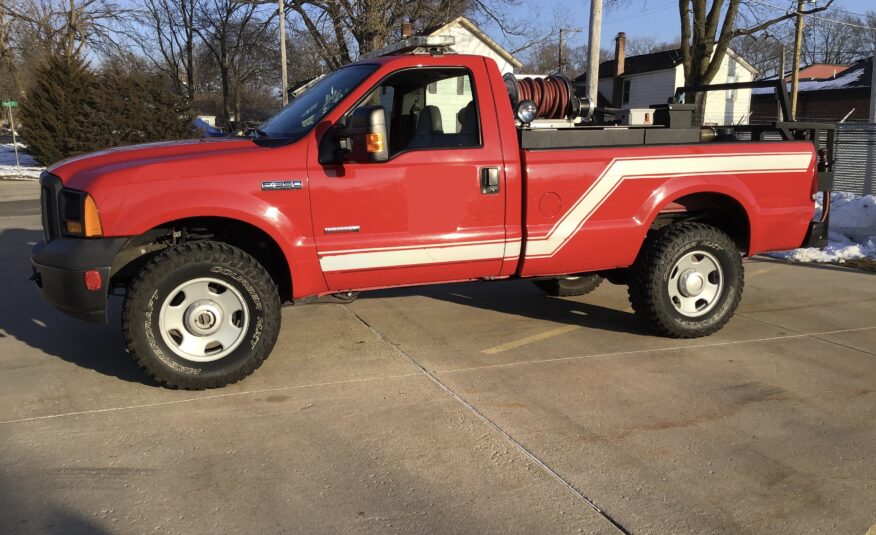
column 412, row 169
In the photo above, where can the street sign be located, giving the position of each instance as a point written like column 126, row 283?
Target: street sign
column 9, row 104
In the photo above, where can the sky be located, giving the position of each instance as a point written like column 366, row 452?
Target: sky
column 655, row 18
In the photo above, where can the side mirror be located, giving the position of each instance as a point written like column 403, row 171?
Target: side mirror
column 364, row 138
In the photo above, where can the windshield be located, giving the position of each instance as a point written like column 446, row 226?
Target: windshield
column 303, row 113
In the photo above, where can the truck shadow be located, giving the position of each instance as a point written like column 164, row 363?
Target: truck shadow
column 522, row 298
column 26, row 317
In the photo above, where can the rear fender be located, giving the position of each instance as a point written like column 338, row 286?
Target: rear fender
column 677, row 188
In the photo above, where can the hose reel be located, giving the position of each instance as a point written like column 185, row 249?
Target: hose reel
column 551, row 97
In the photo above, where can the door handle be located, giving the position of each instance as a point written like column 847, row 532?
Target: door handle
column 490, row 180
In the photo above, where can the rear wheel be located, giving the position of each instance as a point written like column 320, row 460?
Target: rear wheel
column 687, row 280
column 201, row 315
column 569, row 286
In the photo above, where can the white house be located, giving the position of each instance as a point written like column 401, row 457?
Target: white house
column 471, row 40
column 649, row 79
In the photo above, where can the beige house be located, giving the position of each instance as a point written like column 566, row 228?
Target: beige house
column 649, row 79
column 471, row 40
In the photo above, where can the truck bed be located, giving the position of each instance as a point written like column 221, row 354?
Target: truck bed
column 620, row 191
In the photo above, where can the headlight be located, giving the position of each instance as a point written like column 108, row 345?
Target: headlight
column 79, row 215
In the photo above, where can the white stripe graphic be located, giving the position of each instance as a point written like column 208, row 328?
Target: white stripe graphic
column 422, row 256
column 615, row 173
column 631, row 168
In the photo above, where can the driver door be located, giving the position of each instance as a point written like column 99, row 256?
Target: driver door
column 424, row 215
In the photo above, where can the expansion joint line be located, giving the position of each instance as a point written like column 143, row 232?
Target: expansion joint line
column 481, row 416
column 816, row 336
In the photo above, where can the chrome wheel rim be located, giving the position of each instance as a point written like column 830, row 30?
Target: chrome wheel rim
column 203, row 320
column 695, row 284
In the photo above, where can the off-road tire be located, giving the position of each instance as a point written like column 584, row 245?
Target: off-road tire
column 569, row 286
column 650, row 276
column 186, row 262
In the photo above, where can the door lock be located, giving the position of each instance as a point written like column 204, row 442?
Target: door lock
column 490, row 180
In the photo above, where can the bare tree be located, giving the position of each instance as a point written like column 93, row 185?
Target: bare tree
column 8, row 59
column 235, row 35
column 647, row 45
column 763, row 52
column 707, row 31
column 836, row 37
column 170, row 42
column 66, row 27
column 343, row 29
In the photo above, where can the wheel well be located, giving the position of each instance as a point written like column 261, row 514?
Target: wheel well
column 249, row 238
column 715, row 209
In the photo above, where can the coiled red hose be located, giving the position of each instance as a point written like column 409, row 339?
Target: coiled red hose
column 550, row 95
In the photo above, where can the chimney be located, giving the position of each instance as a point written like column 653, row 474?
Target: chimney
column 407, row 30
column 620, row 56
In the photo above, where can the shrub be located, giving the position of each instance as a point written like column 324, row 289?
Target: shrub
column 72, row 110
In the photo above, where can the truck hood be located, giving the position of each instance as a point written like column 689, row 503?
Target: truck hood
column 156, row 161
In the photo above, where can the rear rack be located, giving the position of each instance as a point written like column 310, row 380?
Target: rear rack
column 822, row 135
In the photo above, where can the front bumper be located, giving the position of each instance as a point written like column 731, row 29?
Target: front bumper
column 59, row 268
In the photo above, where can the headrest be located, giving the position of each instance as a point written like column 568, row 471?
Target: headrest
column 429, row 122
column 468, row 119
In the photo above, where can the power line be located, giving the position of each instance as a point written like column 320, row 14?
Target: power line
column 825, row 19
column 861, row 15
column 645, row 13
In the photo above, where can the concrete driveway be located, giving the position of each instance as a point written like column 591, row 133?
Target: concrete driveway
column 479, row 408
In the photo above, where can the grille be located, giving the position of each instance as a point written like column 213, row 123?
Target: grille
column 50, row 189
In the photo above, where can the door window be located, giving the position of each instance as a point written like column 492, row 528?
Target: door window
column 429, row 109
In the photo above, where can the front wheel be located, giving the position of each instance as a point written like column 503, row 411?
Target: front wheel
column 687, row 280
column 201, row 315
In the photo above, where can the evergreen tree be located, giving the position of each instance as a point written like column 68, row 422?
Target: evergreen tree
column 138, row 107
column 55, row 110
column 71, row 110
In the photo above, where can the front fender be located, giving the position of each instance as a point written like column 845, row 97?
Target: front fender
column 283, row 215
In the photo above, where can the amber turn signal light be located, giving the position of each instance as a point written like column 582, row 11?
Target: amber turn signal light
column 91, row 218
column 374, row 143
column 73, row 227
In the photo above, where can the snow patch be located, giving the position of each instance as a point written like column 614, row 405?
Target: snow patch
column 852, row 231
column 29, row 169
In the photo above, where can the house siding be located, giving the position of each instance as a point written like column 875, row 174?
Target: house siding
column 721, row 110
column 468, row 43
column 645, row 89
column 656, row 87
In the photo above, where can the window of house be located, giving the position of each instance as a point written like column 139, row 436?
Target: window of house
column 626, row 95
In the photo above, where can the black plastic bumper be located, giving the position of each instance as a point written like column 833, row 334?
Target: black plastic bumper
column 816, row 236
column 59, row 268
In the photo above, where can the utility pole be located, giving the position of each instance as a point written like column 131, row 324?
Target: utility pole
column 560, row 52
column 283, row 79
column 784, row 87
column 798, row 45
column 873, row 90
column 593, row 52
